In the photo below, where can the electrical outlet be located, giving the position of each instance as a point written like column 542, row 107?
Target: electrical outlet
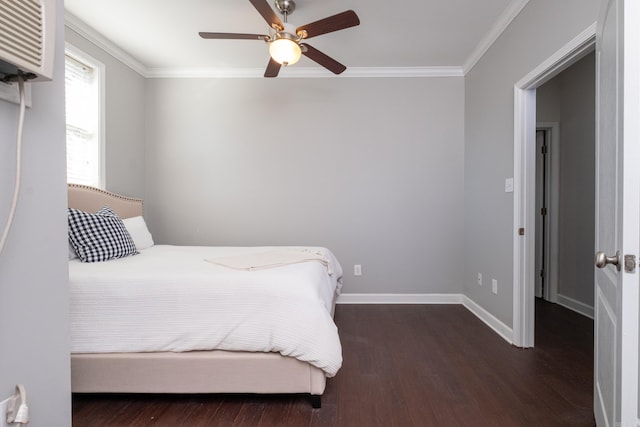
column 10, row 92
column 494, row 286
column 480, row 279
column 357, row 270
column 3, row 413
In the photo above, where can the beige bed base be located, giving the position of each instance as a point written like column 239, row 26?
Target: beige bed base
column 190, row 372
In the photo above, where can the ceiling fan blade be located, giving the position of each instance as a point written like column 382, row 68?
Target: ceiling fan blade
column 337, row 22
column 326, row 61
column 273, row 68
column 235, row 36
column 267, row 13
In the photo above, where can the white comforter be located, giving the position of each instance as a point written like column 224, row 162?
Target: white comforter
column 168, row 298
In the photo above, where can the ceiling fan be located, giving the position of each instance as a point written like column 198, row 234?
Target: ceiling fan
column 286, row 42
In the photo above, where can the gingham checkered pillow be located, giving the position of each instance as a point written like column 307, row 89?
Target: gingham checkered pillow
column 99, row 237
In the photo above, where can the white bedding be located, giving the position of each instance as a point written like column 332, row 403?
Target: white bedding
column 168, row 298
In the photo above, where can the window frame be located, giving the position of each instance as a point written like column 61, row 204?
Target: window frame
column 81, row 56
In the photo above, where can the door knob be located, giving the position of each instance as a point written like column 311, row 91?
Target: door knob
column 602, row 260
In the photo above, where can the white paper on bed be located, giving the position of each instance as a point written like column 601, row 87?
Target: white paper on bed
column 277, row 257
column 168, row 298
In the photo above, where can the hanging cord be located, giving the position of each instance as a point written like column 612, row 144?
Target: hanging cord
column 16, row 188
column 19, row 416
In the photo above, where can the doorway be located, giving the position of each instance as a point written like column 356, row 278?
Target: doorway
column 565, row 187
column 524, row 180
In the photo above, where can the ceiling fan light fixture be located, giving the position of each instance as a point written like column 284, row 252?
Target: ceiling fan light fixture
column 285, row 51
column 288, row 42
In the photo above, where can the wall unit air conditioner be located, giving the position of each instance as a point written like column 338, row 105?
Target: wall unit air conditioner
column 27, row 38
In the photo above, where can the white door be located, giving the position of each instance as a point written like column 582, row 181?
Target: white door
column 542, row 228
column 617, row 214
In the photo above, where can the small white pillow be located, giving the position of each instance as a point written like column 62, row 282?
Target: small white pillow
column 72, row 252
column 139, row 232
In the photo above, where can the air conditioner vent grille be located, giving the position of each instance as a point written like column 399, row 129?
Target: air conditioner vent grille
column 21, row 30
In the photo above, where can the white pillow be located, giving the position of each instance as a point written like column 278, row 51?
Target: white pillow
column 72, row 252
column 139, row 232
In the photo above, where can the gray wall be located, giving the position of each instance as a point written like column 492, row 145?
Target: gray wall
column 124, row 120
column 34, row 300
column 371, row 168
column 569, row 99
column 543, row 27
column 404, row 176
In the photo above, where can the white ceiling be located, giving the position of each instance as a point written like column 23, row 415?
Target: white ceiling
column 163, row 34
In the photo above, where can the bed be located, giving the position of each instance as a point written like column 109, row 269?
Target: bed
column 133, row 355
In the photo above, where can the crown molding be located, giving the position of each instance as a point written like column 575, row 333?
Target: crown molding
column 510, row 13
column 515, row 7
column 404, row 72
column 305, row 72
column 76, row 24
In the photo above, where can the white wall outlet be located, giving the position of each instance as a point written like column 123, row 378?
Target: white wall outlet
column 494, row 286
column 357, row 270
column 3, row 413
column 480, row 279
column 10, row 92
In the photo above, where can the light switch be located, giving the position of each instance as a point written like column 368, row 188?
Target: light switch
column 508, row 185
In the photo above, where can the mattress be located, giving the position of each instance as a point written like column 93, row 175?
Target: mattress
column 174, row 298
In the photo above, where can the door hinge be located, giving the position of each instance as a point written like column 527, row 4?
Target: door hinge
column 543, row 211
column 521, row 231
column 542, row 273
column 629, row 263
column 544, row 149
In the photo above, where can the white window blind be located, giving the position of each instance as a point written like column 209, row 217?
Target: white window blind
column 82, row 91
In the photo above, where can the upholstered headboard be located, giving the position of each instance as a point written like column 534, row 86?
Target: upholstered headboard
column 90, row 199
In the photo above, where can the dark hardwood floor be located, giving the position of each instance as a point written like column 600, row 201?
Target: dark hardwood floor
column 404, row 365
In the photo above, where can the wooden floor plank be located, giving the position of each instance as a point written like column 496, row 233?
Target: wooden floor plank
column 404, row 365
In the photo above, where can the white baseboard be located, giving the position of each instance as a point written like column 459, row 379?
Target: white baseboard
column 490, row 320
column 575, row 305
column 400, row 299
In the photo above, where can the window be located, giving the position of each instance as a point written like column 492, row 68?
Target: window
column 84, row 88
